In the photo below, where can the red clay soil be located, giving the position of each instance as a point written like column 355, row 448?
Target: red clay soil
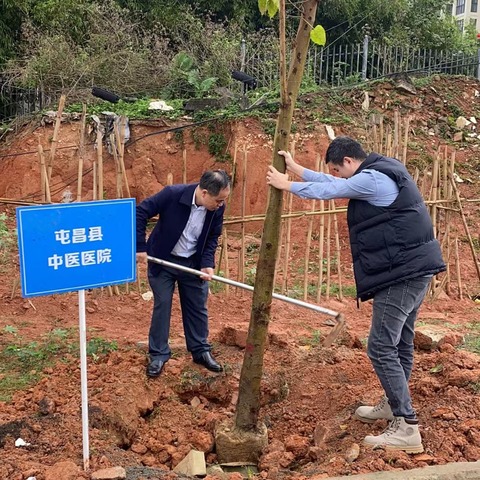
column 309, row 392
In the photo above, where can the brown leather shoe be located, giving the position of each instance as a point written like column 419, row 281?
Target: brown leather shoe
column 206, row 359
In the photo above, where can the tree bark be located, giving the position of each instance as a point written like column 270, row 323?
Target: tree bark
column 248, row 405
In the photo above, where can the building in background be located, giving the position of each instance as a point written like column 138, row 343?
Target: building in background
column 465, row 12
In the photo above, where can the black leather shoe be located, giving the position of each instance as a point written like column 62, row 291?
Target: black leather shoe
column 155, row 368
column 206, row 359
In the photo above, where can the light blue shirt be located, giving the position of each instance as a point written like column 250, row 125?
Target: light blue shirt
column 369, row 185
column 187, row 243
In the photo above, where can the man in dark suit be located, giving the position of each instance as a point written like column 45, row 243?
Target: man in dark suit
column 189, row 224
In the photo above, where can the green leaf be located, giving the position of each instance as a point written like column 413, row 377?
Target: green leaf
column 318, row 35
column 262, row 6
column 273, row 7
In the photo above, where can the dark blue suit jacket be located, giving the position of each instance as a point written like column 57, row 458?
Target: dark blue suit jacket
column 173, row 205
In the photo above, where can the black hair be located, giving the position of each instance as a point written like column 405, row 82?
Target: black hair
column 214, row 181
column 343, row 147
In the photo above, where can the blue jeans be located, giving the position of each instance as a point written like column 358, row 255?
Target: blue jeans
column 390, row 343
column 193, row 292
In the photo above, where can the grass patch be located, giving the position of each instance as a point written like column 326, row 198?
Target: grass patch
column 22, row 362
column 313, row 340
column 472, row 343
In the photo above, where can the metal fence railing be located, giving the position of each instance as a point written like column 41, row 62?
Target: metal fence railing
column 349, row 64
column 17, row 101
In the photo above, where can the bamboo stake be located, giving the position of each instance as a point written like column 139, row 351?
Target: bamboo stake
column 396, row 133
column 376, row 147
column 184, row 165
column 100, row 163
column 121, row 151
column 224, row 249
column 139, row 283
column 423, row 186
column 337, row 246
column 416, row 175
column 405, row 140
column 244, row 195
column 449, row 169
column 118, row 171
column 44, row 176
column 41, row 158
column 329, row 233
column 61, row 105
column 434, row 194
column 170, row 178
column 321, row 246
column 459, row 276
column 16, row 284
column 95, row 179
column 309, row 240
column 225, row 258
column 381, row 134
column 467, row 230
column 81, row 153
column 288, row 234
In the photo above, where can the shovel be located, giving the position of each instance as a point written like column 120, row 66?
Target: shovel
column 339, row 318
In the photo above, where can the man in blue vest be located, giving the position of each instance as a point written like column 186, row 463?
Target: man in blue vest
column 395, row 255
column 189, row 224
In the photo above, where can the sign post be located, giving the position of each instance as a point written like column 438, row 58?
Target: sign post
column 73, row 247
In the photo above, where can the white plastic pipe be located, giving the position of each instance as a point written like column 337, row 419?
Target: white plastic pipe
column 326, row 311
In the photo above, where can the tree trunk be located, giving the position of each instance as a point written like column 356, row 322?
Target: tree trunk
column 248, row 406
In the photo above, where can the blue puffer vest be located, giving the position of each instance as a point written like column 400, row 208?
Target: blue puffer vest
column 394, row 243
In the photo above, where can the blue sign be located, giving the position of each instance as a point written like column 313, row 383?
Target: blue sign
column 75, row 246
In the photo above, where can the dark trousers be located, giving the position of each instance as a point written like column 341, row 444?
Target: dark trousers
column 390, row 343
column 193, row 294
